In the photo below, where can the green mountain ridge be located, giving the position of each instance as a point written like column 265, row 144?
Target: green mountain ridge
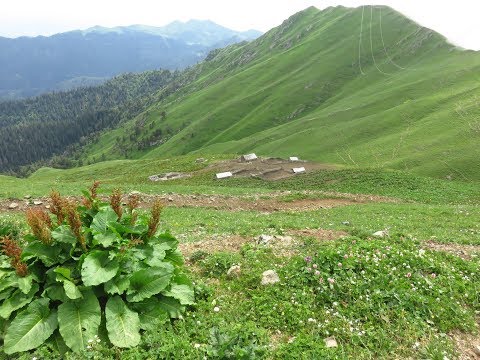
column 354, row 86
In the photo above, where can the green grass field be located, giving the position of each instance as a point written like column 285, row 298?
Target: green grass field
column 414, row 294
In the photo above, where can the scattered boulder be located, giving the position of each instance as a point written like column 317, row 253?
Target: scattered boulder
column 47, row 206
column 381, row 233
column 264, row 239
column 13, row 206
column 170, row 199
column 134, row 193
column 270, row 277
column 330, row 342
column 37, row 202
column 200, row 160
column 27, row 197
column 234, row 271
column 293, row 158
column 268, row 239
column 346, row 223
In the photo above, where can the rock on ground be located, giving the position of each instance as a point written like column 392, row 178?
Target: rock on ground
column 331, row 342
column 13, row 205
column 234, row 271
column 269, row 277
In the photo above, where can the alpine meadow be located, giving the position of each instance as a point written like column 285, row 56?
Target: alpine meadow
column 309, row 193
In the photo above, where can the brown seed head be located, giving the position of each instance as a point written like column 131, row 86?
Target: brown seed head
column 40, row 223
column 116, row 202
column 155, row 217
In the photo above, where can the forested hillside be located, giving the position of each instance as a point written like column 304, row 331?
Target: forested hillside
column 36, row 129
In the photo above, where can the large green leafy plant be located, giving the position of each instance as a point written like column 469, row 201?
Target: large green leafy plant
column 86, row 270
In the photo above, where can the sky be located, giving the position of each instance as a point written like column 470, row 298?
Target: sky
column 457, row 20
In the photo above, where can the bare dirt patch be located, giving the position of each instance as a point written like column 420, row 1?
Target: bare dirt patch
column 230, row 243
column 272, row 202
column 466, row 252
column 265, row 168
column 236, row 203
column 466, row 343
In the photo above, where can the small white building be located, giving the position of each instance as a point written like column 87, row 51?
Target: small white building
column 299, row 170
column 224, row 175
column 249, row 157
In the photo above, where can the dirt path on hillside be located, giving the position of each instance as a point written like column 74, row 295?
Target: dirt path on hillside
column 272, row 202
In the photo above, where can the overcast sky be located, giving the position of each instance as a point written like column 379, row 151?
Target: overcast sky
column 457, row 20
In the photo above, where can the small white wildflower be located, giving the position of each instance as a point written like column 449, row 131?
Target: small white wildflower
column 216, row 309
column 196, row 346
column 90, row 341
column 311, row 320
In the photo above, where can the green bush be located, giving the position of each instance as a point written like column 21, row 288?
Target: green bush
column 87, row 270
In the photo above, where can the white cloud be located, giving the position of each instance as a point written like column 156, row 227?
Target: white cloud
column 457, row 20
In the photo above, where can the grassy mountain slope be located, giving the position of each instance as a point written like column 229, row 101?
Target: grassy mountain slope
column 362, row 87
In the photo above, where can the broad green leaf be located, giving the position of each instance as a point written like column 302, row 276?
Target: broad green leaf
column 9, row 281
column 171, row 306
column 49, row 255
column 97, row 268
column 79, row 321
column 106, row 239
column 31, row 327
column 25, row 283
column 148, row 282
column 16, row 301
column 58, row 344
column 175, row 257
column 156, row 253
column 56, row 292
column 123, row 324
column 118, row 285
column 71, row 290
column 102, row 219
column 128, row 229
column 63, row 276
column 5, row 262
column 64, row 234
column 151, row 313
column 5, row 294
column 182, row 293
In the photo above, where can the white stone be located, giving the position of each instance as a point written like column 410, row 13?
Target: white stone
column 264, row 239
column 27, row 197
column 381, row 233
column 269, row 277
column 293, row 158
column 476, row 350
column 37, row 202
column 330, row 342
column 249, row 157
column 298, row 170
column 224, row 175
column 13, row 205
column 234, row 271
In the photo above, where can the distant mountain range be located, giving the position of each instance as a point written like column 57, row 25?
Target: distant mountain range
column 33, row 65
